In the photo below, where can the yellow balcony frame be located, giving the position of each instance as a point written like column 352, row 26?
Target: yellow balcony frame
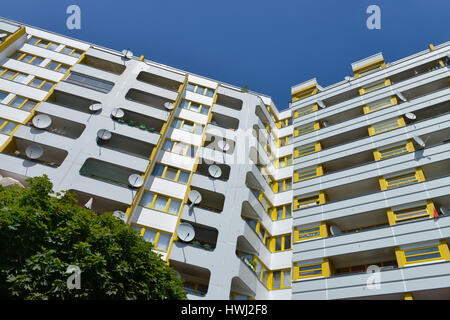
column 427, row 209
column 309, row 149
column 382, row 103
column 305, row 110
column 378, row 127
column 325, row 267
column 304, row 92
column 379, row 154
column 442, row 248
column 418, row 174
column 374, row 87
column 319, row 199
column 361, row 71
column 319, row 171
column 322, row 228
column 299, row 131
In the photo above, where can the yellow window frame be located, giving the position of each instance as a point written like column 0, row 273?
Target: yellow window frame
column 380, row 104
column 187, row 147
column 233, row 295
column 14, row 76
column 304, row 93
column 24, row 54
column 281, row 185
column 369, row 68
column 306, row 174
column 286, row 161
column 323, row 266
column 6, row 121
column 402, row 179
column 283, row 242
column 282, row 276
column 199, row 88
column 155, row 241
column 166, row 167
column 169, row 200
column 199, row 104
column 304, row 151
column 184, row 121
column 318, row 199
column 441, row 248
column 305, row 110
column 285, row 210
column 375, row 86
column 57, row 68
column 23, row 103
column 384, row 153
column 41, row 39
column 411, row 213
column 387, row 125
column 319, row 231
column 307, row 128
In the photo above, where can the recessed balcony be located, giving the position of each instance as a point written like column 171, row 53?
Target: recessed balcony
column 147, row 99
column 195, row 279
column 128, row 145
column 229, row 102
column 98, row 204
column 205, row 237
column 211, row 201
column 102, row 64
column 141, row 121
column 71, row 101
column 159, row 81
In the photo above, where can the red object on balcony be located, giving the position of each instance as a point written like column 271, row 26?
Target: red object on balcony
column 435, row 214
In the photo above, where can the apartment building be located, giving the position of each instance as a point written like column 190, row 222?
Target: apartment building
column 243, row 200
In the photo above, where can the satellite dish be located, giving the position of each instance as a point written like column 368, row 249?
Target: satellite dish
column 214, row 171
column 348, row 78
column 104, row 134
column 410, row 116
column 127, row 53
column 194, row 197
column 95, row 107
column 2, row 35
column 34, row 151
column 419, row 141
column 223, row 145
column 335, row 231
column 117, row 113
column 325, row 124
column 185, row 232
column 321, row 104
column 42, row 121
column 136, row 180
column 444, row 211
column 168, row 105
column 120, row 215
column 400, row 95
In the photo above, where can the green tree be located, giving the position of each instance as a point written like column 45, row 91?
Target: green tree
column 42, row 233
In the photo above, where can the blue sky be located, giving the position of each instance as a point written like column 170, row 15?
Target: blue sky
column 269, row 45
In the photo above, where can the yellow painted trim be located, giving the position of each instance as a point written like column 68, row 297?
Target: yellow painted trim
column 380, row 62
column 408, row 296
column 399, row 257
column 431, row 47
column 142, row 58
column 11, row 38
column 445, row 252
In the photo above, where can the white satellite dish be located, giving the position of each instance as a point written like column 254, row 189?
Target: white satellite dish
column 194, row 197
column 168, row 105
column 117, row 113
column 214, row 171
column 223, row 145
column 444, row 211
column 185, row 232
column 419, row 141
column 335, row 231
column 120, row 215
column 321, row 104
column 34, row 151
column 42, row 121
column 104, row 134
column 410, row 116
column 95, row 107
column 136, row 180
column 127, row 53
column 325, row 124
column 348, row 78
column 400, row 95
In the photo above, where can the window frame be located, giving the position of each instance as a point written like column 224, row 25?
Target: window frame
column 167, row 205
column 157, row 235
column 166, row 168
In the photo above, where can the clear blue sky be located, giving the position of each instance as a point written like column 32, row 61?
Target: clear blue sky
column 269, row 45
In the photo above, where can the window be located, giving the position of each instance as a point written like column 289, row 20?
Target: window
column 22, row 103
column 58, row 67
column 310, row 270
column 380, row 104
column 281, row 279
column 281, row 243
column 393, row 150
column 309, row 173
column 188, row 126
column 307, row 150
column 42, row 84
column 195, row 288
column 90, row 82
column 401, row 179
column 27, row 58
column 54, row 46
column 196, row 107
column 3, row 95
column 374, row 86
column 200, row 90
column 284, row 123
column 420, row 210
column 13, row 75
column 306, row 201
column 239, row 296
column 281, row 185
column 305, row 110
column 282, row 142
column 299, row 131
column 159, row 239
column 160, row 202
column 7, row 127
column 435, row 250
column 302, row 233
column 263, row 200
column 282, row 212
column 387, row 125
column 283, row 162
column 171, row 173
column 180, row 148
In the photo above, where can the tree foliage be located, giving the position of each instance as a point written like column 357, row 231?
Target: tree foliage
column 42, row 234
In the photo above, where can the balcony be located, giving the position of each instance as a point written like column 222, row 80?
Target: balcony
column 89, row 82
column 62, row 126
column 204, row 164
column 107, row 172
column 99, row 204
column 225, row 122
column 196, row 279
column 104, row 65
column 71, row 101
column 147, row 99
column 229, row 102
column 141, row 121
column 205, row 237
column 211, row 201
column 127, row 145
column 159, row 81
